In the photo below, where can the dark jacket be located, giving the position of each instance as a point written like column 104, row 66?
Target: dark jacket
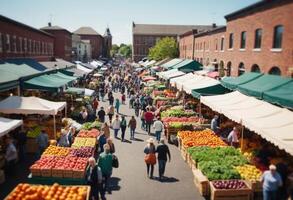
column 163, row 151
column 95, row 177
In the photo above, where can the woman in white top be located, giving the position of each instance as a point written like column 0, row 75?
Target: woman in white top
column 116, row 125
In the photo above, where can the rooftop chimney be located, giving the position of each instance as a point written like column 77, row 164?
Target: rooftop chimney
column 214, row 25
column 49, row 24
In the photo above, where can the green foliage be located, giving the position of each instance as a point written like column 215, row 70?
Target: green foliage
column 125, row 50
column 165, row 48
column 114, row 50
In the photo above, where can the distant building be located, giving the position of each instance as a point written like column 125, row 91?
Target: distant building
column 96, row 40
column 145, row 36
column 257, row 38
column 81, row 49
column 62, row 42
column 107, row 43
column 18, row 40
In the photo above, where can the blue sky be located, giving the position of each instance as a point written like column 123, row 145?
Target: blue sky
column 119, row 14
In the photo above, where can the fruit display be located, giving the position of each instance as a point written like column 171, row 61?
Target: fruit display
column 83, row 152
column 93, row 133
column 249, row 172
column 35, row 132
column 84, row 142
column 90, row 125
column 177, row 113
column 25, row 191
column 200, row 138
column 182, row 126
column 181, row 119
column 169, row 93
column 210, row 161
column 229, row 184
column 56, row 151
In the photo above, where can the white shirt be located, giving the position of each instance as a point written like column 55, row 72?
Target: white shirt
column 158, row 125
column 11, row 153
column 232, row 137
column 116, row 124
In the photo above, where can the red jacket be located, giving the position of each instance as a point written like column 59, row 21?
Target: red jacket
column 149, row 116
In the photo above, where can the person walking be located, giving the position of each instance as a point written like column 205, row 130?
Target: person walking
column 117, row 105
column 142, row 118
column 162, row 151
column 95, row 105
column 111, row 112
column 105, row 163
column 271, row 181
column 101, row 115
column 111, row 99
column 136, row 106
column 123, row 126
column 42, row 141
column 102, row 141
column 150, row 157
column 111, row 145
column 106, row 130
column 94, row 178
column 21, row 143
column 132, row 126
column 158, row 126
column 149, row 117
column 123, row 98
column 116, row 125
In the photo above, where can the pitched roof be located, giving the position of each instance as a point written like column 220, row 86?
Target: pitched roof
column 160, row 29
column 85, row 30
column 54, row 28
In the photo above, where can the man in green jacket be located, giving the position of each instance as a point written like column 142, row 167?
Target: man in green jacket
column 105, row 163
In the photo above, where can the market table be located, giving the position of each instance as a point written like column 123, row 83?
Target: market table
column 52, row 180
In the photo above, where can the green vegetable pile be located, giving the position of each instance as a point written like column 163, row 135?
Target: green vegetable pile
column 90, row 125
column 35, row 132
column 177, row 113
column 182, row 125
column 218, row 163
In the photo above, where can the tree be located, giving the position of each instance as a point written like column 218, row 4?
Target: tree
column 125, row 50
column 164, row 48
column 114, row 50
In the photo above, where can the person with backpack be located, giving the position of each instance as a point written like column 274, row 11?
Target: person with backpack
column 150, row 157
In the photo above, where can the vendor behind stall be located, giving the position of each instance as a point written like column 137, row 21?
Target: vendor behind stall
column 10, row 156
column 233, row 138
column 214, row 124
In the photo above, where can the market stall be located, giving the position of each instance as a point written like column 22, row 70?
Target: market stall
column 171, row 63
column 198, row 82
column 233, row 82
column 7, row 125
column 178, row 81
column 170, row 74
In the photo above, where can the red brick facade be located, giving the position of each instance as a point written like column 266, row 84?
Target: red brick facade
column 96, row 42
column 264, row 19
column 62, row 43
column 21, row 41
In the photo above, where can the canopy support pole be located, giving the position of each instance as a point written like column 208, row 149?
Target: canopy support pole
column 18, row 91
column 54, row 119
column 242, row 133
column 66, row 110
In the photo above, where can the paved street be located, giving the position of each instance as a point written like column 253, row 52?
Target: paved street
column 130, row 179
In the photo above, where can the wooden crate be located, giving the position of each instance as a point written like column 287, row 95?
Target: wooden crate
column 255, row 186
column 35, row 172
column 67, row 173
column 46, row 172
column 231, row 194
column 57, row 173
column 78, row 173
column 179, row 143
column 201, row 182
column 192, row 163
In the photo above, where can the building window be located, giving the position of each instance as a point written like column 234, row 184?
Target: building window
column 229, row 64
column 241, row 69
column 14, row 49
column 278, row 35
column 231, row 41
column 34, row 47
column 275, row 71
column 255, row 68
column 216, row 44
column 20, row 44
column 222, row 44
column 243, row 40
column 1, row 42
column 257, row 38
column 29, row 46
column 7, row 47
column 25, row 45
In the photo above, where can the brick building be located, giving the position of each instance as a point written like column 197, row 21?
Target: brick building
column 18, row 40
column 256, row 38
column 96, row 40
column 145, row 36
column 62, row 42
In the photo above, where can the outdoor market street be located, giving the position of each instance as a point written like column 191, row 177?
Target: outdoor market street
column 130, row 179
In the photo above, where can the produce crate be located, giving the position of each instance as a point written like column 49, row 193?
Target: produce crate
column 46, row 172
column 78, row 173
column 179, row 142
column 36, row 172
column 192, row 163
column 57, row 173
column 201, row 182
column 230, row 194
column 67, row 173
column 255, row 186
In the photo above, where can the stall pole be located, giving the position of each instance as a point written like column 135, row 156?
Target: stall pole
column 242, row 132
column 18, row 91
column 54, row 118
column 66, row 111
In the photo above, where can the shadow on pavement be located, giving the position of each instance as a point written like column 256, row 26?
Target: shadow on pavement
column 114, row 183
column 127, row 141
column 167, row 179
column 138, row 140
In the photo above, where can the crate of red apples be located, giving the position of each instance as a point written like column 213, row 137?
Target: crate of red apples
column 230, row 189
column 93, row 133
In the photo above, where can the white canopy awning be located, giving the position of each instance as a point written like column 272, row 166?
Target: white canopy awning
column 198, row 82
column 178, row 81
column 171, row 74
column 273, row 123
column 7, row 125
column 30, row 105
column 150, row 63
column 80, row 67
column 104, row 68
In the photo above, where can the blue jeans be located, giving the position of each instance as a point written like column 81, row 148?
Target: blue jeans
column 158, row 135
column 132, row 131
column 116, row 132
column 269, row 195
column 162, row 165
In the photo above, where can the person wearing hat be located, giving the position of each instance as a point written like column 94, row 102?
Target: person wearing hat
column 162, row 151
column 150, row 157
column 271, row 181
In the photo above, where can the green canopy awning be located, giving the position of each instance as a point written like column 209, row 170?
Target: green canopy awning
column 66, row 72
column 63, row 76
column 233, row 82
column 209, row 91
column 262, row 84
column 188, row 66
column 75, row 90
column 171, row 63
column 282, row 95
